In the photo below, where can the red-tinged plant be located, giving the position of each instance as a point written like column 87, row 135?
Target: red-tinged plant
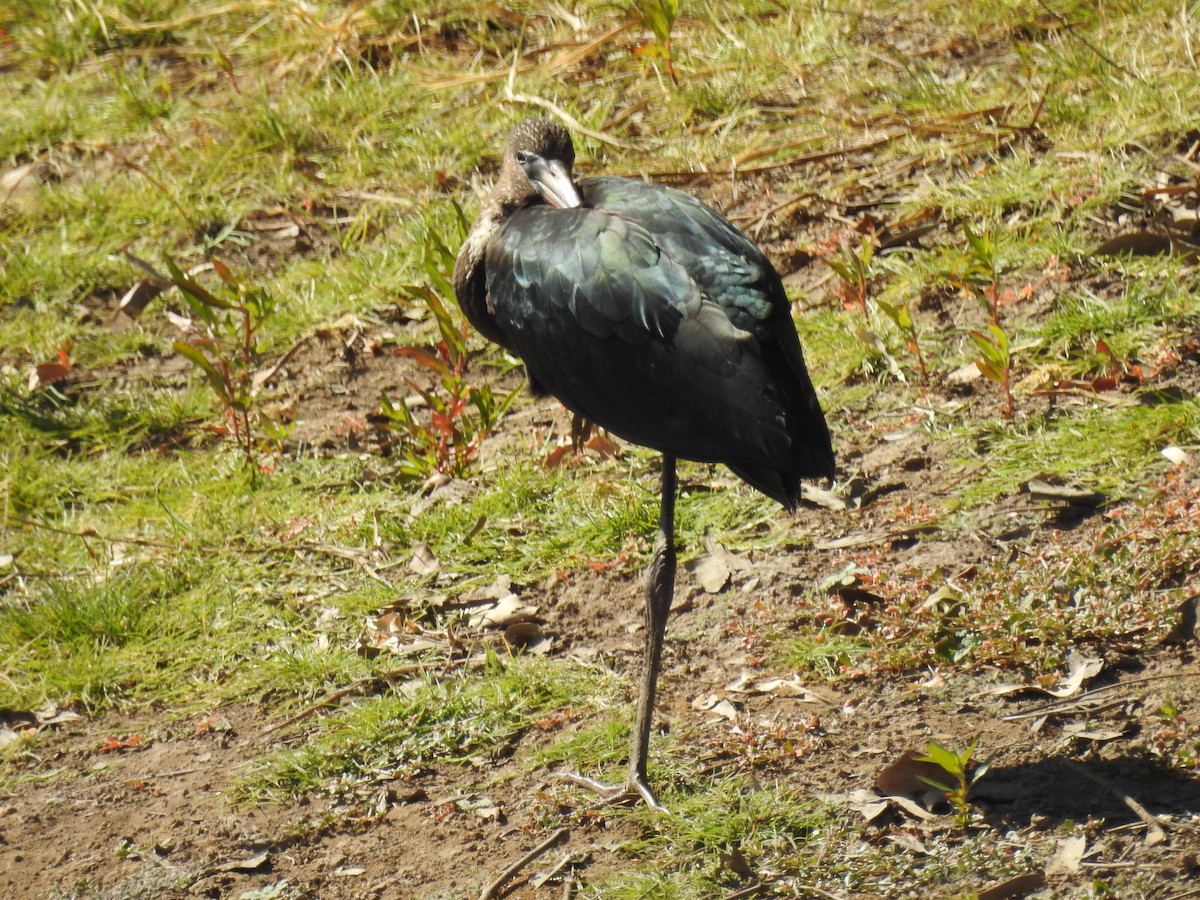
column 659, row 16
column 852, row 265
column 981, row 278
column 901, row 317
column 460, row 414
column 224, row 348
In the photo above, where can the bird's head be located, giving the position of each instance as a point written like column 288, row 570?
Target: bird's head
column 540, row 152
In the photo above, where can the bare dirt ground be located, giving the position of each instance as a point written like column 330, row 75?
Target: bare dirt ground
column 151, row 821
column 136, row 807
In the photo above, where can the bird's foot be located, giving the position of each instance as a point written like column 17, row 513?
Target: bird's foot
column 635, row 788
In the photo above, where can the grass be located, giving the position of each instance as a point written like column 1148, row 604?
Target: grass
column 1080, row 448
column 142, row 568
column 763, row 823
column 421, row 723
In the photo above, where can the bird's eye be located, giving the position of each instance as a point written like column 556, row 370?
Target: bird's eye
column 524, row 157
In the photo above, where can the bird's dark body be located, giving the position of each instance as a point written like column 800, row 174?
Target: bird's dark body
column 648, row 313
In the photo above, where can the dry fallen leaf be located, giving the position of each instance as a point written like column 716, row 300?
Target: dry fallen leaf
column 711, row 572
column 1080, row 669
column 714, row 703
column 395, row 632
column 603, row 445
column 904, row 776
column 965, row 374
column 505, row 611
column 870, row 805
column 780, row 687
column 1175, row 454
column 50, row 714
column 867, row 803
column 17, row 182
column 423, row 561
column 557, row 456
column 250, row 864
column 1041, row 489
column 1015, row 888
column 1081, row 731
column 909, row 843
column 1068, row 857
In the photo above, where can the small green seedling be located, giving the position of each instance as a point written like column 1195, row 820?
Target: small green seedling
column 853, row 266
column 956, row 763
column 901, row 317
column 981, row 278
column 995, row 362
column 659, row 16
column 226, row 350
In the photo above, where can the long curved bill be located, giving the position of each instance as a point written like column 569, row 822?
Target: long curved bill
column 552, row 178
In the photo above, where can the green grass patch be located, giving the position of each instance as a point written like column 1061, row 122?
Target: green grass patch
column 424, row 722
column 143, row 567
column 697, row 849
column 824, row 654
column 594, row 748
column 1099, row 447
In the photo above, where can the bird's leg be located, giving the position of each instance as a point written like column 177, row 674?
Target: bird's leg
column 660, row 589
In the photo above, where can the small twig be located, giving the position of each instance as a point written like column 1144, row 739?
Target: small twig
column 493, row 889
column 261, row 378
column 753, row 891
column 823, row 155
column 351, row 555
column 1157, row 833
column 1099, row 54
column 91, row 533
column 1072, row 703
column 1065, row 707
column 341, row 693
column 569, row 120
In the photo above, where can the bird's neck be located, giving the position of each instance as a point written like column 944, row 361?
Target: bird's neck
column 470, row 277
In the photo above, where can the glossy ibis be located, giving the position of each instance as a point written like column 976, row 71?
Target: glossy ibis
column 648, row 313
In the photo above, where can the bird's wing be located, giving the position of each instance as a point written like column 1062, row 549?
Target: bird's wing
column 622, row 333
column 735, row 274
column 727, row 265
